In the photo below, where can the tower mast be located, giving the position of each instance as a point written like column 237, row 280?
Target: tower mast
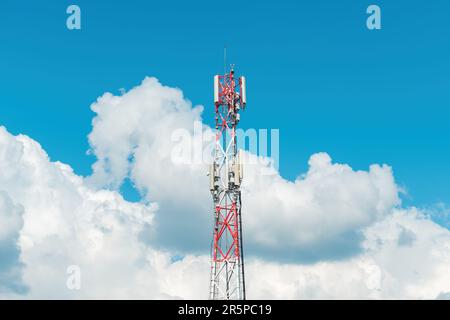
column 227, row 258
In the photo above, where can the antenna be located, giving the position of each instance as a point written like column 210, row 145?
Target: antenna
column 225, row 59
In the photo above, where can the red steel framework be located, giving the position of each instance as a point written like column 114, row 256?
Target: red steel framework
column 227, row 260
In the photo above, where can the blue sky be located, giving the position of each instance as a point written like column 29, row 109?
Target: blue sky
column 314, row 71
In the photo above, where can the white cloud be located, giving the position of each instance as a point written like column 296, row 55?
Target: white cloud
column 10, row 225
column 132, row 135
column 71, row 220
column 10, row 218
column 387, row 269
column 314, row 216
column 319, row 212
column 67, row 223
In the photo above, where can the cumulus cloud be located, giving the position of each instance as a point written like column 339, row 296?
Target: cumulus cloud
column 132, row 135
column 344, row 232
column 386, row 269
column 10, row 265
column 319, row 215
column 66, row 223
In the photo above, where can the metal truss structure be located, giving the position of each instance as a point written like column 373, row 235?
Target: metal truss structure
column 227, row 260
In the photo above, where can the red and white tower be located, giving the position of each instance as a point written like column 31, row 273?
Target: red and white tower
column 227, row 258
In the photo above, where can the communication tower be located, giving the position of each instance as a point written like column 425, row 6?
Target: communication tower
column 227, row 258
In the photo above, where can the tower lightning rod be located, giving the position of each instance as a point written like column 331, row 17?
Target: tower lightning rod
column 224, row 59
